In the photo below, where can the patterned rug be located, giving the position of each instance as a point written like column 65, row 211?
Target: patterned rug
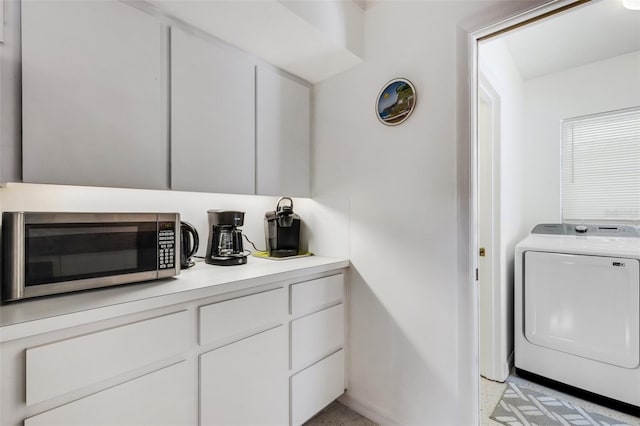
column 520, row 406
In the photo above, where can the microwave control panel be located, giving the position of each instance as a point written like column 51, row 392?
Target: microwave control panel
column 166, row 245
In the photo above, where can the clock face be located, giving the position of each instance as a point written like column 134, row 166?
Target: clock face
column 396, row 102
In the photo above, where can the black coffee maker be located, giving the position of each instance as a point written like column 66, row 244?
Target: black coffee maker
column 282, row 230
column 224, row 246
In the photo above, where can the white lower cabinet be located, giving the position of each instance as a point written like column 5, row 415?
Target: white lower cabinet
column 245, row 383
column 154, row 399
column 317, row 346
column 273, row 355
column 66, row 365
column 316, row 335
column 316, row 387
column 237, row 318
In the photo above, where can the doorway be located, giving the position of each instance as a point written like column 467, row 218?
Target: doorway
column 545, row 71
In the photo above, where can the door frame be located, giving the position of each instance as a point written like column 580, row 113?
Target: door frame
column 545, row 10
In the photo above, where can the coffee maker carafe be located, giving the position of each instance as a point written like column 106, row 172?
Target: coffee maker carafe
column 224, row 246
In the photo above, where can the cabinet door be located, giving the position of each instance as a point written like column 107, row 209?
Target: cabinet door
column 158, row 398
column 282, row 135
column 212, row 117
column 94, row 95
column 10, row 150
column 245, row 383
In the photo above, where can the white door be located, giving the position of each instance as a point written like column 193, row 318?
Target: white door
column 491, row 337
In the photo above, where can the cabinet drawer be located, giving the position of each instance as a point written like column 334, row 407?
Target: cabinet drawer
column 158, row 398
column 60, row 367
column 241, row 317
column 310, row 295
column 316, row 387
column 317, row 335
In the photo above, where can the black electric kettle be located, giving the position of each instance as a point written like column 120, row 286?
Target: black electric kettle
column 189, row 243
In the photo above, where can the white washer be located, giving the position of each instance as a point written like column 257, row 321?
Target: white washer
column 577, row 307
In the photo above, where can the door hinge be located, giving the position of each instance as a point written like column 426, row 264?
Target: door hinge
column 476, row 274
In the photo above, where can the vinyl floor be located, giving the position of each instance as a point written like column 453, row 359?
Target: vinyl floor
column 490, row 393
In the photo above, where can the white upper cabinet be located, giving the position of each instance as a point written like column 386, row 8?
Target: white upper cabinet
column 94, row 79
column 282, row 132
column 212, row 117
column 10, row 126
column 111, row 96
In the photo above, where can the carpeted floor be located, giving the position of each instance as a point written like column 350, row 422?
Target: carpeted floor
column 337, row 414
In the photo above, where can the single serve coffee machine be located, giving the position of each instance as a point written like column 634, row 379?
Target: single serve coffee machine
column 282, row 230
column 224, row 246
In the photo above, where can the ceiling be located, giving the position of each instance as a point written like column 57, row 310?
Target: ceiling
column 595, row 31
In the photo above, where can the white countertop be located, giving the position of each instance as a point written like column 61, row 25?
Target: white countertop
column 28, row 317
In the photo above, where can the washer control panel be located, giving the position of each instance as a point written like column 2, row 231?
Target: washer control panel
column 587, row 230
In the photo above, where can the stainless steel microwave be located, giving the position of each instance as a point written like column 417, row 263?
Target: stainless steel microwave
column 49, row 253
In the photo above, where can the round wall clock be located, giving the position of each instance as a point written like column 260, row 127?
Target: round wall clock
column 396, row 102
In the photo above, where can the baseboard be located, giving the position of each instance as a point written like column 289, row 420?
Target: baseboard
column 370, row 411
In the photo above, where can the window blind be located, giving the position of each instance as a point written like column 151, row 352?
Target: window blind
column 601, row 167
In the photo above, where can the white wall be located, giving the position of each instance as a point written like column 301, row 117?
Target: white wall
column 324, row 232
column 600, row 86
column 412, row 354
column 498, row 67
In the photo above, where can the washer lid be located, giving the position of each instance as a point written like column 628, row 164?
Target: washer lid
column 581, row 244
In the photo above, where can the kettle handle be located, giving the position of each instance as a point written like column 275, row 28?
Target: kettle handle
column 282, row 199
column 196, row 241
